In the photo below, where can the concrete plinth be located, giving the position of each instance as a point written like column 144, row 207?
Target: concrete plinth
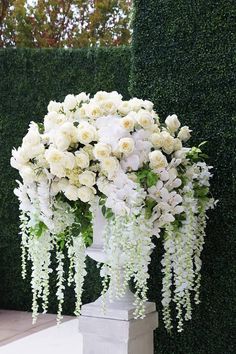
column 116, row 331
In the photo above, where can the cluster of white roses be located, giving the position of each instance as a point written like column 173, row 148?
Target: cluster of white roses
column 116, row 151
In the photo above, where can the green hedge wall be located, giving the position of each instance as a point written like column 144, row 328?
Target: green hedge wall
column 29, row 79
column 184, row 60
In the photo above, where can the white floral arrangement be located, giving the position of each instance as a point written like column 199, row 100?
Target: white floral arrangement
column 116, row 153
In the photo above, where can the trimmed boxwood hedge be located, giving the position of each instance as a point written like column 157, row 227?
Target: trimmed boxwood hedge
column 29, row 79
column 184, row 60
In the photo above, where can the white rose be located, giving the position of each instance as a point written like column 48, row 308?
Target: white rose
column 100, row 96
column 124, row 108
column 69, row 130
column 86, row 134
column 172, row 123
column 93, row 110
column 53, row 155
column 85, row 194
column 101, row 150
column 177, row 144
column 126, row 145
column 27, row 174
column 82, row 159
column 69, row 160
column 82, row 97
column 61, row 141
column 156, row 140
column 110, row 165
column 127, row 123
column 135, row 104
column 87, row 178
column 157, row 159
column 71, row 192
column 54, row 106
column 184, row 133
column 148, row 105
column 109, row 107
column 145, row 119
column 70, row 102
column 168, row 142
column 53, row 120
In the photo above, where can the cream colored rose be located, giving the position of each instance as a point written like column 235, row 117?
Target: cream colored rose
column 69, row 160
column 53, row 155
column 87, row 178
column 126, row 145
column 110, row 165
column 127, row 123
column 172, row 123
column 148, row 105
column 81, row 159
column 157, row 159
column 85, row 194
column 69, row 130
column 53, row 120
column 184, row 133
column 71, row 192
column 70, row 102
column 109, row 107
column 124, row 108
column 135, row 104
column 54, row 106
column 93, row 110
column 145, row 119
column 100, row 96
column 156, row 140
column 32, row 137
column 177, row 144
column 168, row 142
column 101, row 150
column 86, row 134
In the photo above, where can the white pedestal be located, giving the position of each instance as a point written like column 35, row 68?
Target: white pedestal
column 116, row 331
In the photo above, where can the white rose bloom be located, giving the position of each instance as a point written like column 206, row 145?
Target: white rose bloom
column 82, row 97
column 70, row 103
column 82, row 159
column 69, row 130
column 71, row 192
column 135, row 104
column 172, row 123
column 145, row 119
column 85, row 194
column 109, row 107
column 177, row 144
column 184, row 133
column 148, row 105
column 110, row 165
column 168, row 142
column 127, row 123
column 156, row 140
column 87, row 178
column 61, row 141
column 93, row 110
column 27, row 174
column 52, row 120
column 86, row 134
column 54, row 106
column 54, row 155
column 126, row 145
column 157, row 159
column 69, row 160
column 101, row 150
column 100, row 96
column 124, row 107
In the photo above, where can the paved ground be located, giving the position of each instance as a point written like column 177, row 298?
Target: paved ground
column 17, row 324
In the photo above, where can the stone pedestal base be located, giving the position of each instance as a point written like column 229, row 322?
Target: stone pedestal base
column 116, row 331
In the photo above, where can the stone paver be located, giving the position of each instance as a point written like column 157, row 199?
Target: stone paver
column 18, row 324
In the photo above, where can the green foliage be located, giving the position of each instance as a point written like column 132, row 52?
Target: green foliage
column 146, row 177
column 183, row 60
column 29, row 80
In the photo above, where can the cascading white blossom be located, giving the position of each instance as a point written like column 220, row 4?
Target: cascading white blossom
column 115, row 153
